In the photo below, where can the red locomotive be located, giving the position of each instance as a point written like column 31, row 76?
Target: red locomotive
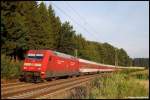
column 44, row 64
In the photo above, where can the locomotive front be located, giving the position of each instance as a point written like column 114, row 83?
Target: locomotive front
column 32, row 68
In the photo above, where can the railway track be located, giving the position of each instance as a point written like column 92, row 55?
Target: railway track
column 11, row 84
column 43, row 90
column 16, row 86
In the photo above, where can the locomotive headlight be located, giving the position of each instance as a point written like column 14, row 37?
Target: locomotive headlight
column 27, row 64
column 31, row 64
column 39, row 65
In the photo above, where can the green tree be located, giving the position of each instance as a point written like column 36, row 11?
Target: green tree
column 109, row 56
column 14, row 27
column 55, row 26
column 46, row 33
column 123, row 58
column 66, row 41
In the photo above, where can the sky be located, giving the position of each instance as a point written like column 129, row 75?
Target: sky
column 123, row 24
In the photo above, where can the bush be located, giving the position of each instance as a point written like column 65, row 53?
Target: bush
column 10, row 68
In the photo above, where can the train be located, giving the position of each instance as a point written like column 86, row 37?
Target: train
column 40, row 65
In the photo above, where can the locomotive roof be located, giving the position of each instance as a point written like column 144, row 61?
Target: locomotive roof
column 64, row 55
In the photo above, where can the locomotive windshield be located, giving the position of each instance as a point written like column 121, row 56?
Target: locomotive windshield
column 35, row 56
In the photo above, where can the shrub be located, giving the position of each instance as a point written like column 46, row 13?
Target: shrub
column 10, row 68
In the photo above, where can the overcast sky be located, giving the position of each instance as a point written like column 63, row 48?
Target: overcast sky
column 123, row 24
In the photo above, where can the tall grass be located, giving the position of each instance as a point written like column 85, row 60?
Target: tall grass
column 144, row 75
column 10, row 68
column 128, row 71
column 116, row 87
column 121, row 85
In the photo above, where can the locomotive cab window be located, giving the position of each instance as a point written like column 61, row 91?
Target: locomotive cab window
column 35, row 56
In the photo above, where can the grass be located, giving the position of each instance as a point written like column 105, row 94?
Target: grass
column 121, row 85
column 140, row 75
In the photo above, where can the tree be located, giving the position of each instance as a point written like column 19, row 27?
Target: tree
column 109, row 56
column 46, row 34
column 55, row 26
column 66, row 43
column 14, row 28
column 141, row 62
column 123, row 58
